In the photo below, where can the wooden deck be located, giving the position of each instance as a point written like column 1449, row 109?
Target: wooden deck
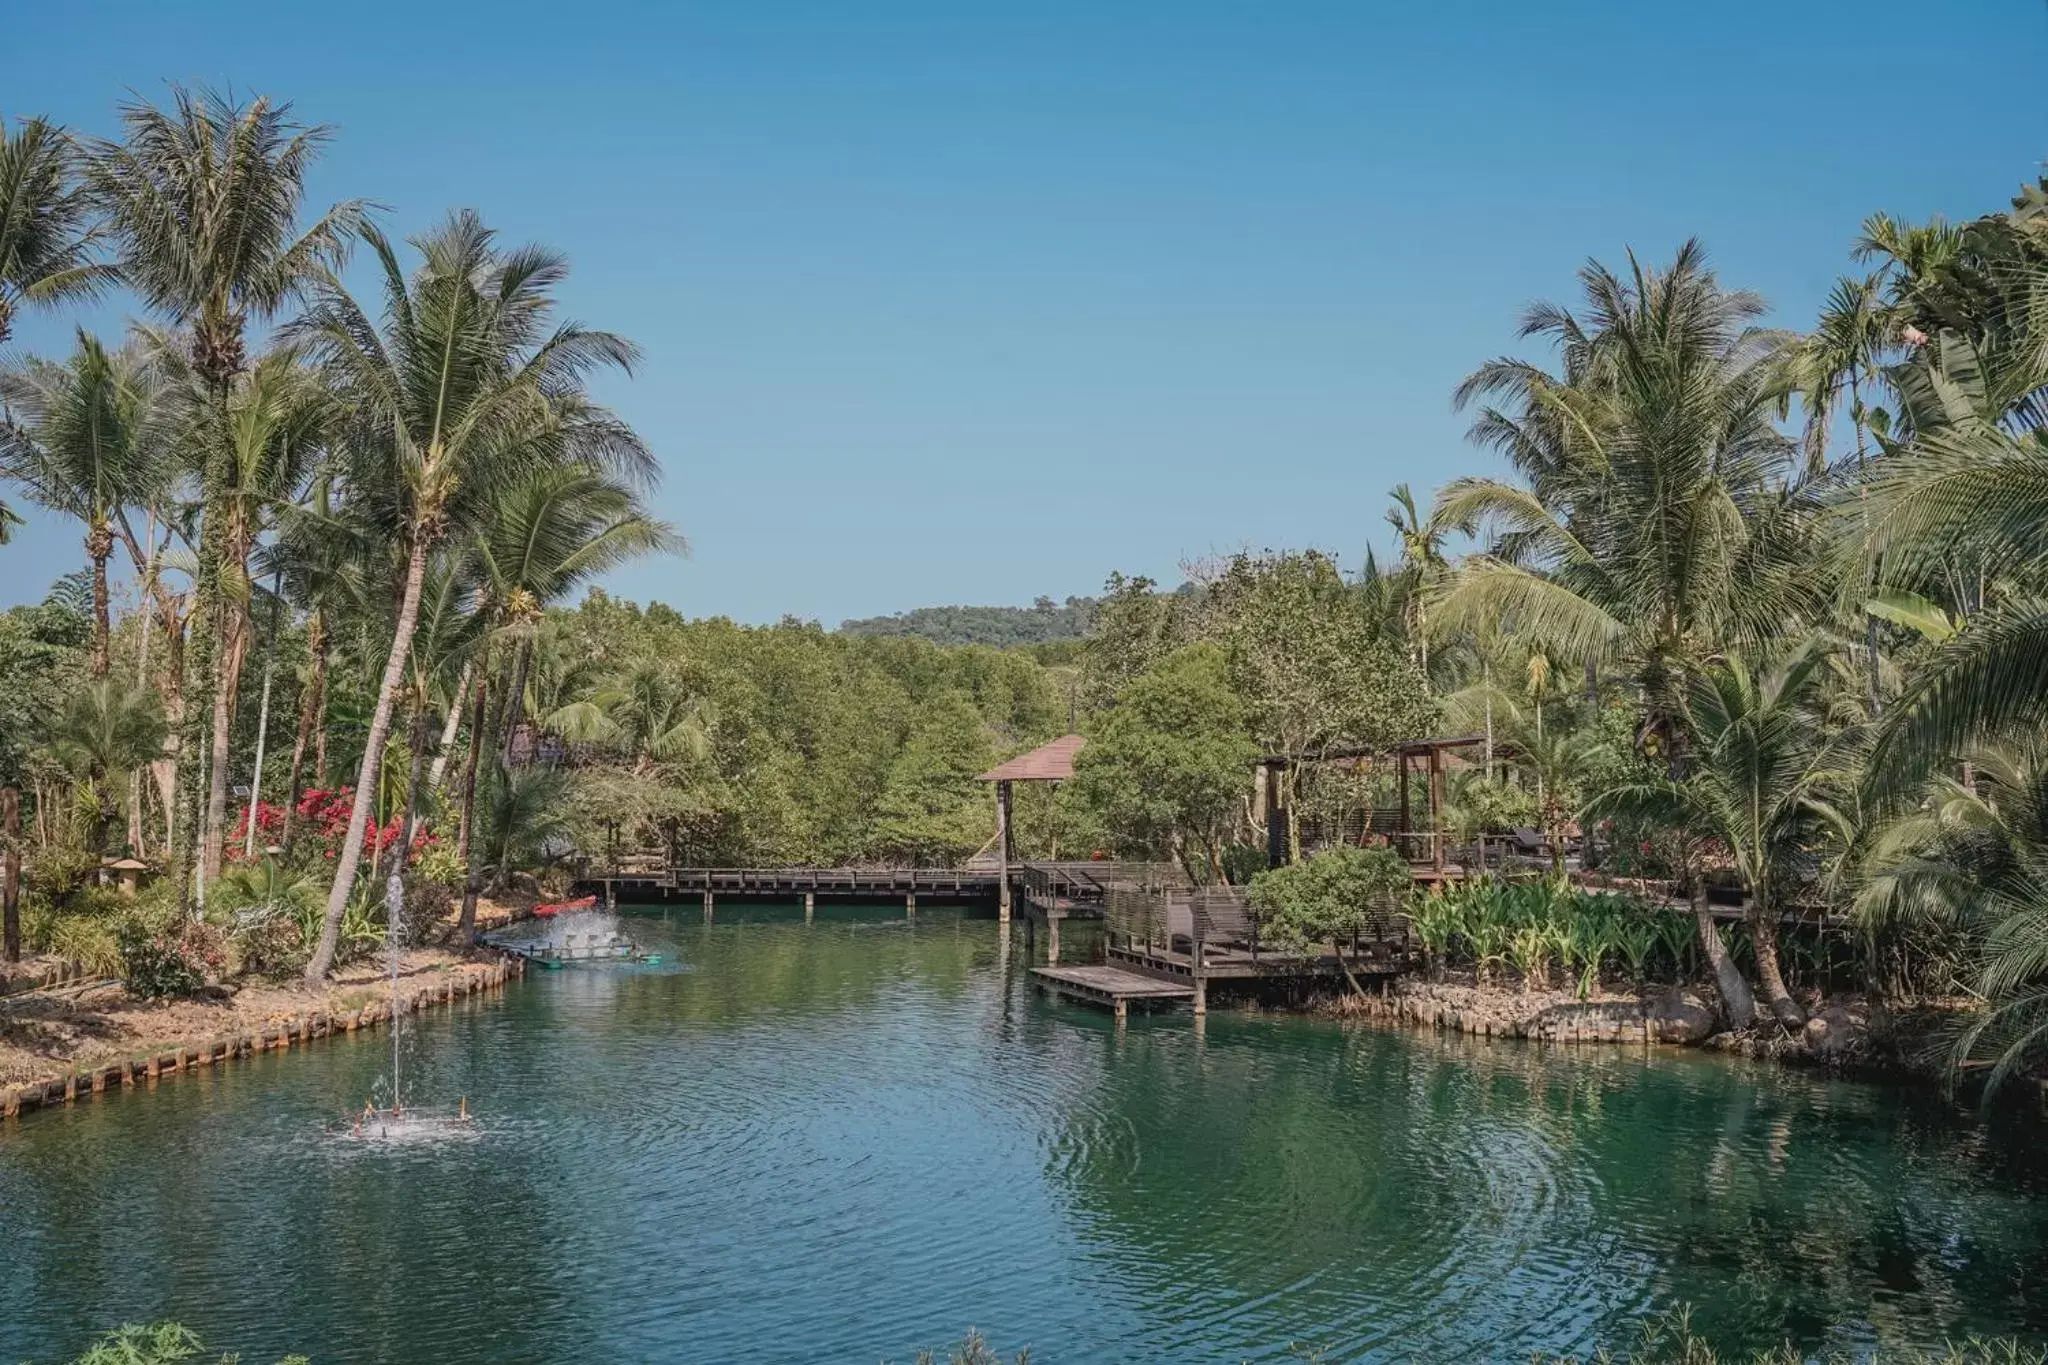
column 1111, row 986
column 1236, row 963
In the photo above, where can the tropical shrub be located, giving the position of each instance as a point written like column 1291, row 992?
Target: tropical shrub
column 87, row 940
column 1532, row 927
column 1326, row 898
column 169, row 959
column 162, row 1343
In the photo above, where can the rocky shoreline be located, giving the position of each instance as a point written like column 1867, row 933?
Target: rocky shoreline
column 1839, row 1035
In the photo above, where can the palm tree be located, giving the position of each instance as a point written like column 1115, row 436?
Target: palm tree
column 1759, row 778
column 105, row 731
column 88, row 443
column 1423, row 568
column 1845, row 353
column 455, row 396
column 1967, row 487
column 320, row 553
column 1973, row 858
column 1656, row 522
column 558, row 528
column 523, row 820
column 47, row 239
column 204, row 201
column 275, row 422
column 647, row 711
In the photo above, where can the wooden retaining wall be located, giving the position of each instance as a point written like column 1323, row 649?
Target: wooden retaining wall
column 276, row 1035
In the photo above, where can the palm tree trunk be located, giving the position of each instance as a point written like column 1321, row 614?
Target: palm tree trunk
column 515, row 700
column 165, row 769
column 472, row 881
column 99, row 543
column 10, row 873
column 350, row 859
column 311, row 703
column 235, row 649
column 1763, row 936
column 1736, row 1000
column 392, row 858
column 395, row 883
column 449, row 728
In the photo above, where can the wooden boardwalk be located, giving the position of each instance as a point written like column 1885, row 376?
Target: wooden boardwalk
column 1111, row 986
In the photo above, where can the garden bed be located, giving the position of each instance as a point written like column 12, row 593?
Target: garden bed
column 89, row 1026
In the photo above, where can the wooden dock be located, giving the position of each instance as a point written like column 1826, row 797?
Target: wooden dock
column 1111, row 986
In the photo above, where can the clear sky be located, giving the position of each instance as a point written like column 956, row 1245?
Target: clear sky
column 969, row 302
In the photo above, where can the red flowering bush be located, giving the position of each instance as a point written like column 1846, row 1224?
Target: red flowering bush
column 322, row 816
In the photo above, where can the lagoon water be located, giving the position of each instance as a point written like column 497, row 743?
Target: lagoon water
column 843, row 1141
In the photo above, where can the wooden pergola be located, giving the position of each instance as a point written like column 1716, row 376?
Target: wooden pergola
column 1051, row 762
column 1426, row 757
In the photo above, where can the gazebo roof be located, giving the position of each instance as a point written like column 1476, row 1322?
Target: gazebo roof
column 1052, row 762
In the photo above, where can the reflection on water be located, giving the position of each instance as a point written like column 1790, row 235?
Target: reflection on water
column 843, row 1140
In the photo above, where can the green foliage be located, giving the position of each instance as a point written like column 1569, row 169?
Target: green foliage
column 271, row 911
column 1044, row 622
column 88, row 940
column 1326, row 898
column 1533, row 926
column 1478, row 806
column 1167, row 766
column 1670, row 1340
column 42, row 661
column 1307, row 662
column 931, row 810
column 163, row 1343
column 168, row 955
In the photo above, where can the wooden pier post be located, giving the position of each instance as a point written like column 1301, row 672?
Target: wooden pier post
column 1052, row 940
column 707, row 905
column 1003, row 853
column 910, row 905
column 1201, row 975
column 810, row 905
column 1123, row 1011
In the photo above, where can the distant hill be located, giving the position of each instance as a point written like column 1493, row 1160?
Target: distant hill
column 1044, row 622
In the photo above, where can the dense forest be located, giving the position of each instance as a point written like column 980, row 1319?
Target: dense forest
column 1044, row 622
column 1747, row 607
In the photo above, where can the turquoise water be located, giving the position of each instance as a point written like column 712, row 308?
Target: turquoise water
column 846, row 1140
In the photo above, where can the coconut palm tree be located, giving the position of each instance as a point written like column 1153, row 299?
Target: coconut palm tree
column 105, row 731
column 1972, row 859
column 647, row 711
column 204, row 201
column 320, row 554
column 1760, row 777
column 1423, row 568
column 47, row 236
column 1843, row 355
column 88, row 442
column 558, row 528
column 1656, row 521
column 455, row 395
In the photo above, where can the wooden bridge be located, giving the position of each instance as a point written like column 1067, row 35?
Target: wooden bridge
column 1048, row 892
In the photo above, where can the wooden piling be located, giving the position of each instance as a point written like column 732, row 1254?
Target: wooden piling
column 810, row 905
column 707, row 907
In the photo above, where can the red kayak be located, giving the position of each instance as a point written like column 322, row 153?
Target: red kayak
column 554, row 908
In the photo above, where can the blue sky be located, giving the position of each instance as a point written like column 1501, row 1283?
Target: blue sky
column 972, row 302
